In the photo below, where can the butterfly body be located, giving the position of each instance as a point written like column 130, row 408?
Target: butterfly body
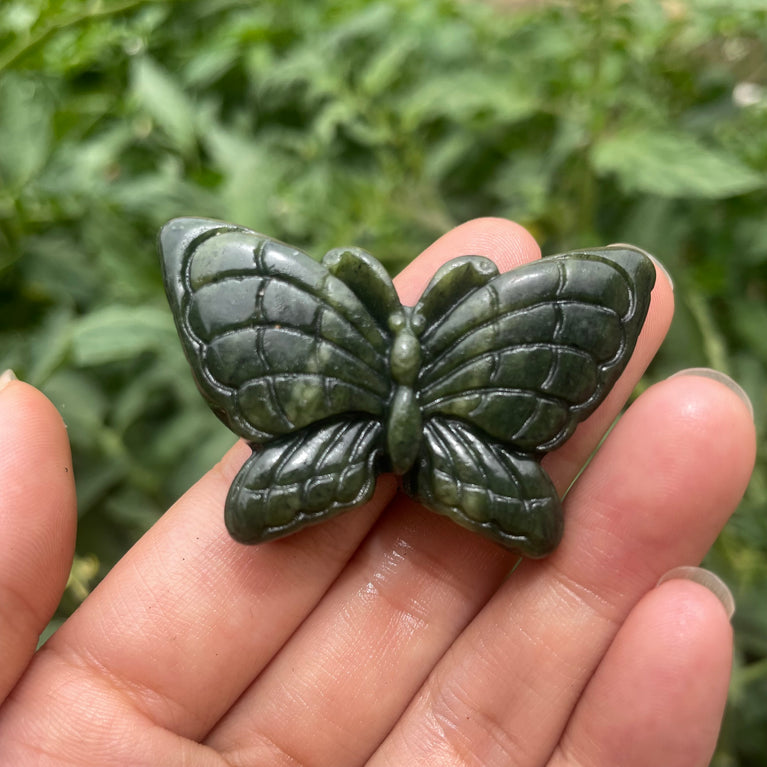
column 333, row 381
column 403, row 423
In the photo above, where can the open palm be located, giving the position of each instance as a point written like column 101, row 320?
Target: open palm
column 387, row 636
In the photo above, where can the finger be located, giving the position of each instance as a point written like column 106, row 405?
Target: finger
column 37, row 517
column 185, row 620
column 565, row 464
column 413, row 586
column 659, row 694
column 655, row 496
column 188, row 618
column 507, row 243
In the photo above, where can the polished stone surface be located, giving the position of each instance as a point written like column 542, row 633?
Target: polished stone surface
column 332, row 381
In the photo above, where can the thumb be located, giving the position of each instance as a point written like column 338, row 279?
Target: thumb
column 38, row 520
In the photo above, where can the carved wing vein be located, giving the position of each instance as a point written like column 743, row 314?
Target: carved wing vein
column 257, row 321
column 432, row 361
column 298, row 366
column 494, row 357
column 437, row 406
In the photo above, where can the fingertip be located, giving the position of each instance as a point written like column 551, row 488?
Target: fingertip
column 690, row 626
column 707, row 579
column 505, row 242
column 662, row 273
column 666, row 479
column 661, row 309
column 689, row 607
column 724, row 380
column 689, row 639
column 707, row 396
column 660, row 691
column 33, row 433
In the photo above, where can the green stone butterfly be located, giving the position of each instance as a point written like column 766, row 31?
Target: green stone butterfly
column 332, row 381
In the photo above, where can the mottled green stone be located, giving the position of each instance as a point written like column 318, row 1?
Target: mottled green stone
column 332, row 381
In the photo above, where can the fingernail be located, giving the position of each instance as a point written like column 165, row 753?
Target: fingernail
column 706, row 578
column 649, row 255
column 717, row 375
column 6, row 377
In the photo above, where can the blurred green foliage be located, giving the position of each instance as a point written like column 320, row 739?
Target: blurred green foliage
column 379, row 124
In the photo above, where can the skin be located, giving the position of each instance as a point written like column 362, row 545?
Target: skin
column 387, row 638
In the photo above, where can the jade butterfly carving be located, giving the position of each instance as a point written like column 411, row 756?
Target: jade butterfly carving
column 332, row 381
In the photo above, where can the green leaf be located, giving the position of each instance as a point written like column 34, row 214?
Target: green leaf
column 120, row 332
column 163, row 97
column 26, row 113
column 672, row 165
column 49, row 274
column 750, row 324
column 82, row 405
column 251, row 171
column 49, row 347
column 385, row 67
column 460, row 96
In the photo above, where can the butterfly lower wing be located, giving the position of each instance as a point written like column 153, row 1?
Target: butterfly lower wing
column 527, row 355
column 484, row 486
column 304, row 478
column 276, row 342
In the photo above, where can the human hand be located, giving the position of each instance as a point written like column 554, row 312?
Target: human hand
column 393, row 638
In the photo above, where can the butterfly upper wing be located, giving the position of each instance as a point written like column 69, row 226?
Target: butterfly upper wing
column 292, row 355
column 275, row 340
column 509, row 369
column 528, row 354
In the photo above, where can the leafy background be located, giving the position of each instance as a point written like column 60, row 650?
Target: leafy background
column 380, row 124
